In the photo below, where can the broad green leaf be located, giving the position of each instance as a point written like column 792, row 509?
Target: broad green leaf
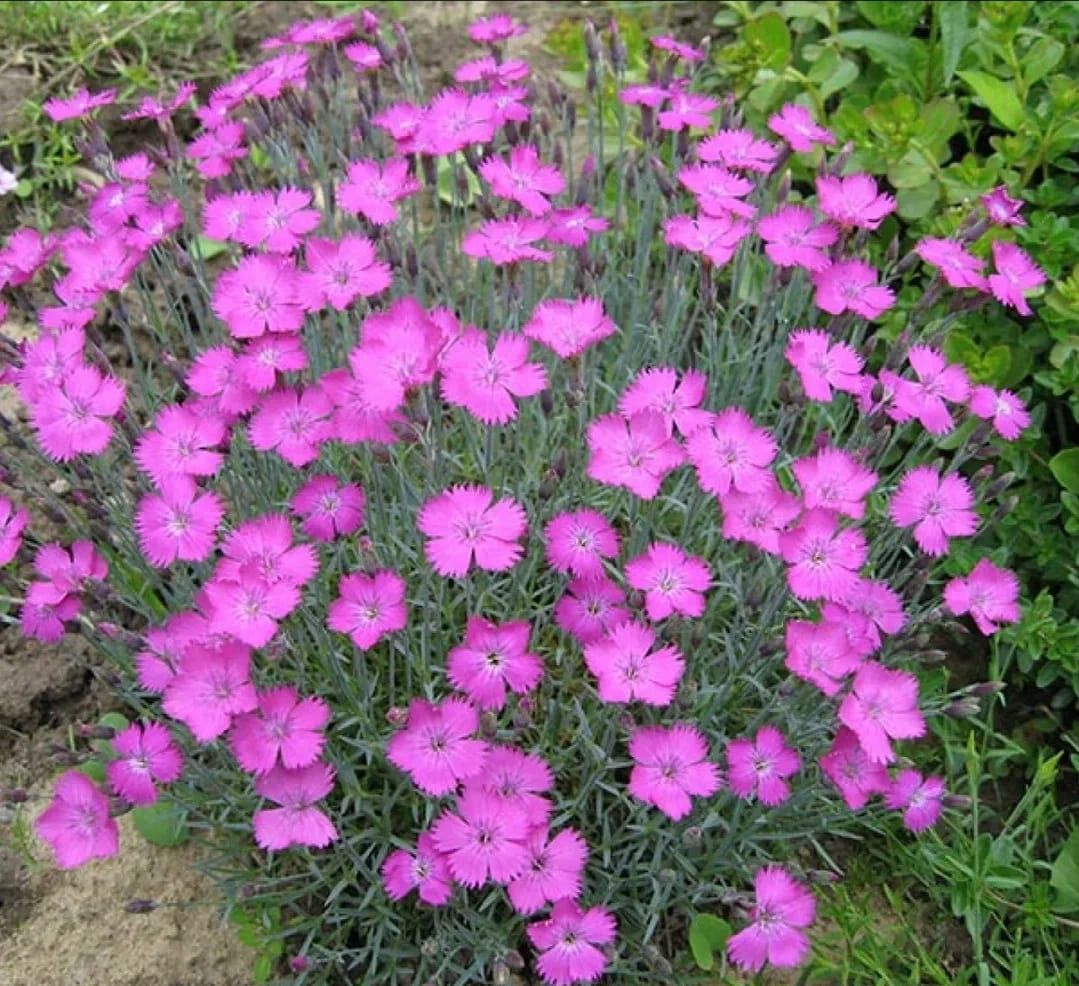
column 953, row 19
column 94, row 769
column 707, row 936
column 1040, row 59
column 207, row 248
column 938, row 122
column 844, row 73
column 911, row 171
column 1065, row 467
column 1065, row 875
column 900, row 56
column 114, row 720
column 771, row 34
column 160, row 824
column 917, row 203
column 999, row 98
column 892, row 15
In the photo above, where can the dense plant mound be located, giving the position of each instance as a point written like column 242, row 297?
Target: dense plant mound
column 512, row 517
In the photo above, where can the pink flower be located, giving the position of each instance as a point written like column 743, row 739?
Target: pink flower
column 552, row 872
column 12, row 523
column 853, row 201
column 47, row 360
column 249, row 609
column 1015, row 277
column 958, row 266
column 794, row 239
column 782, row 909
column 568, row 943
column 342, row 271
column 497, row 27
column 717, row 190
column 798, row 128
column 67, row 571
column 761, row 766
column 525, row 179
column 223, row 215
column 364, row 57
column 920, row 799
column 685, row 110
column 572, row 226
column 820, row 654
column 284, row 727
column 590, row 608
column 181, row 443
column 145, row 754
column 483, row 840
column 879, row 603
column 686, row 52
column 402, row 122
column 464, row 526
column 373, row 189
column 823, row 559
column 213, row 151
column 824, row 365
column 369, row 607
column 435, row 748
column 740, row 149
column 759, row 518
column 73, row 418
column 76, row 825
column 628, row 669
column 485, row 383
column 179, row 523
column 294, row 423
column 732, row 453
column 79, row 104
column 278, row 221
column 455, row 120
column 518, row 778
column 156, row 665
column 1002, row 209
column 938, row 381
column 990, row 594
column 259, row 295
column 834, row 480
column 678, row 401
column 577, row 541
column 215, row 374
column 297, row 822
column 850, row 285
column 672, row 581
column 652, row 96
column 1007, row 412
column 937, row 506
column 714, row 237
column 882, row 705
column 507, row 241
column 568, row 327
column 496, row 74
column 329, row 510
column 492, row 658
column 848, row 767
column 424, row 870
column 210, row 687
column 670, row 767
column 45, row 621
column 261, row 550
column 635, row 453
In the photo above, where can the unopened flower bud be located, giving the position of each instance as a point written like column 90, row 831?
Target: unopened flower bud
column 299, row 963
column 963, row 708
column 500, row 974
column 140, row 905
column 16, row 796
column 555, row 93
column 986, row 688
column 397, row 717
column 118, row 807
column 783, row 190
column 489, row 724
column 514, row 960
column 619, row 51
column 823, row 877
column 66, row 758
column 932, row 657
column 693, row 836
column 429, row 948
column 958, row 801
column 591, row 41
column 636, row 599
column 97, row 732
column 666, row 186
column 590, row 81
column 998, row 486
column 627, row 722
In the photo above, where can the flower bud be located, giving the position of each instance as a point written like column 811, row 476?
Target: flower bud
column 15, row 796
column 489, row 724
column 962, row 708
column 299, row 963
column 591, row 42
column 140, row 905
column 823, row 877
column 959, row 801
column 118, row 807
column 986, row 688
column 397, row 717
column 932, row 657
column 693, row 836
column 500, row 974
column 96, row 732
column 514, row 960
column 429, row 948
column 998, row 486
column 627, row 722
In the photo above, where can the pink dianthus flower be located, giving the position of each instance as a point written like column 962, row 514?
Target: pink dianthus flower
column 568, row 943
column 341, row 271
column 74, row 417
column 259, row 295
column 925, row 399
column 486, row 382
column 783, row 908
column 568, row 327
column 957, row 265
column 524, row 179
column 834, row 480
column 145, row 755
column 798, row 128
column 628, row 669
column 823, row 559
column 294, row 423
column 731, row 453
column 677, row 400
column 464, row 526
column 920, row 799
column 278, row 221
column 740, row 149
column 823, row 364
column 849, row 768
column 636, row 453
column 181, row 443
column 283, row 728
column 373, row 189
column 1007, row 412
column 436, row 748
column 77, row 825
column 717, row 190
column 553, row 871
column 1016, row 275
column 882, row 705
column 424, row 870
column 508, row 241
column 761, row 766
column 494, row 658
column 850, row 285
column 793, row 238
column 820, row 653
column 577, row 541
column 714, row 237
column 180, row 522
column 990, row 594
column 853, row 201
column 671, row 767
column 759, row 518
column 328, row 508
column 297, row 822
column 484, row 839
column 590, row 608
column 210, row 687
column 369, row 607
column 12, row 523
column 939, row 508
column 672, row 581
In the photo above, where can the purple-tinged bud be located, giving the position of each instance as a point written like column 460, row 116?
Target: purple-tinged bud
column 821, row 441
column 397, row 717
column 555, row 93
column 514, row 960
column 299, row 963
column 546, row 403
column 654, row 955
column 140, row 905
column 999, row 485
column 558, row 155
column 429, row 169
column 839, row 162
column 248, row 890
column 693, row 836
column 783, row 189
column 500, row 974
column 1006, row 508
column 522, row 715
column 95, row 731
column 627, row 722
column 619, row 51
column 986, row 688
column 369, row 22
column 958, row 801
column 823, row 878
column 66, row 758
column 591, row 42
column 275, row 650
column 963, row 708
column 489, row 725
column 118, row 807
column 932, row 657
column 16, row 796
column 666, row 186
column 590, row 79
column 570, row 115
column 412, row 260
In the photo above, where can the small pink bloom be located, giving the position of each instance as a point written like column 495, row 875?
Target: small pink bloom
column 215, row 374
column 793, row 238
column 494, row 73
column 374, row 188
column 824, row 365
column 823, row 559
column 294, row 423
column 761, row 766
column 820, row 654
column 497, row 27
column 492, row 659
column 77, row 825
column 686, row 110
column 369, row 607
column 957, row 265
column 882, row 705
column 74, row 418
column 364, row 57
column 329, row 510
column 590, row 608
column 848, row 767
column 508, row 241
column 775, row 935
column 464, row 526
column 798, row 128
column 714, row 237
column 672, row 581
column 524, row 179
column 179, row 523
column 671, row 767
column 261, row 550
column 686, row 52
column 278, row 221
column 717, row 190
column 45, row 621
column 1015, row 277
column 1007, row 412
column 12, row 523
column 210, row 687
column 628, row 669
column 877, row 601
column 259, row 295
column 834, row 480
column 181, row 443
column 486, row 382
column 424, row 870
column 214, row 150
column 925, row 399
column 577, row 541
column 920, row 799
column 646, row 94
column 284, row 728
column 455, row 120
column 81, row 103
column 850, row 285
column 269, row 355
column 731, row 453
column 853, row 201
column 521, row 779
column 636, row 453
column 145, row 754
column 739, row 149
column 573, row 226
column 678, row 401
column 67, row 571
column 568, row 327
column 939, row 508
column 568, row 943
column 485, row 839
column 990, row 594
column 249, row 609
column 1002, row 209
column 553, row 871
column 435, row 748
column 341, row 271
column 297, row 822
column 759, row 518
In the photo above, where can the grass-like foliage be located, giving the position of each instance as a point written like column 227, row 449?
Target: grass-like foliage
column 504, row 504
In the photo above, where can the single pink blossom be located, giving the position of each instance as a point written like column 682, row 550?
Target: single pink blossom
column 329, row 510
column 67, row 571
column 628, row 669
column 820, row 653
column 215, row 149
column 553, row 871
column 278, row 221
column 145, row 755
column 742, row 150
column 636, row 453
column 957, row 265
column 850, row 285
column 284, row 728
column 45, row 621
column 938, row 507
column 523, row 179
column 250, row 608
column 687, row 53
column 677, row 400
column 74, row 418
column 294, row 423
column 717, row 190
column 494, row 73
column 823, row 559
column 518, row 778
column 259, row 295
column 793, row 238
column 508, row 241
column 491, row 659
column 761, row 766
column 369, row 607
column 261, row 550
column 1016, row 275
column 926, row 399
column 47, row 360
column 671, row 767
column 880, row 603
column 882, row 705
column 181, row 443
column 577, row 541
column 568, row 327
column 990, row 594
column 573, row 225
column 455, row 120
column 180, row 522
column 297, row 822
column 215, row 375
column 210, row 687
column 714, row 237
column 569, row 943
column 269, row 355
column 759, row 518
column 824, row 365
column 79, row 104
column 424, row 870
column 920, row 799
column 853, row 201
column 834, row 480
column 1007, row 412
column 341, row 271
column 464, row 526
column 373, row 189
column 849, row 768
column 686, row 110
column 12, row 523
column 672, row 581
column 495, row 28
column 731, row 453
column 485, row 382
column 364, row 57
column 798, row 128
column 484, row 839
column 436, row 748
column 590, row 608
column 1002, row 209
column 783, row 908
column 77, row 825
